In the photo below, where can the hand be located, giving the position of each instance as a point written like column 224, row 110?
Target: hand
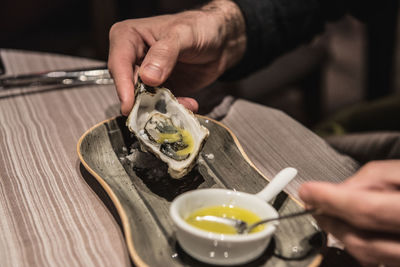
column 190, row 49
column 363, row 212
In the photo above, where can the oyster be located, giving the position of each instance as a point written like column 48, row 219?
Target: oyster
column 166, row 128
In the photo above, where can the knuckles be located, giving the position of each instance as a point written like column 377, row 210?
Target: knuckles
column 123, row 29
column 180, row 28
column 164, row 50
column 373, row 169
column 116, row 28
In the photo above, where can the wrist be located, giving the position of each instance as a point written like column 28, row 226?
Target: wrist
column 231, row 31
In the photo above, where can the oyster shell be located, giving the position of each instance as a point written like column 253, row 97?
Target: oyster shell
column 166, row 128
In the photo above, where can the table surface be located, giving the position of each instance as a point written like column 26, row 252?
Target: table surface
column 52, row 214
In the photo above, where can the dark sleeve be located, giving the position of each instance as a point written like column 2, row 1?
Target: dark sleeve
column 274, row 27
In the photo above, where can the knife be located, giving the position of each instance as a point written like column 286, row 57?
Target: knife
column 97, row 75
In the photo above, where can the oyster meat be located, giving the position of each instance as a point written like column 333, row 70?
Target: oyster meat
column 166, row 128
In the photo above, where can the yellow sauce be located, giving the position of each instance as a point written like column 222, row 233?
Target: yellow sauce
column 187, row 139
column 223, row 211
column 175, row 137
column 169, row 137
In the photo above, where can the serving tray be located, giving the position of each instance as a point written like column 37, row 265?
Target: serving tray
column 141, row 191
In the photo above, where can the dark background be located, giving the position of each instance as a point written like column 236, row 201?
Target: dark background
column 331, row 73
column 74, row 27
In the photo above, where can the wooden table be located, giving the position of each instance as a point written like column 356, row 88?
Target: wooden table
column 52, row 214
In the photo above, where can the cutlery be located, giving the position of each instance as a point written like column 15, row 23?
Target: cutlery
column 98, row 75
column 242, row 227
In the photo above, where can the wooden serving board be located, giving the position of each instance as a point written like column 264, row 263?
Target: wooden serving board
column 142, row 192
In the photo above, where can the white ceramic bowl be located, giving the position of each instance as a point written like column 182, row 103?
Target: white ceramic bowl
column 224, row 249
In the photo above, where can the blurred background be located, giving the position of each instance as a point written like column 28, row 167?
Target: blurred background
column 348, row 64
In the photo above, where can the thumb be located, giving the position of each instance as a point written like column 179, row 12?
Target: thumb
column 159, row 61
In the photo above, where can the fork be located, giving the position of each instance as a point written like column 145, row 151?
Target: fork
column 243, row 228
column 96, row 75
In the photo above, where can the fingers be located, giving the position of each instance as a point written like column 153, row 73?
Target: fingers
column 160, row 61
column 363, row 211
column 378, row 175
column 126, row 49
column 128, row 44
column 366, row 209
column 368, row 248
column 189, row 103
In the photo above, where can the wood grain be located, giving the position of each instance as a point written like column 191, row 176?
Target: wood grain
column 49, row 215
column 273, row 140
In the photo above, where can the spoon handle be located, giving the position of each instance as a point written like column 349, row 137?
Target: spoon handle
column 291, row 215
column 278, row 183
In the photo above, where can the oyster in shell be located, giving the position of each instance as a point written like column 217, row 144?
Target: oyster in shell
column 166, row 128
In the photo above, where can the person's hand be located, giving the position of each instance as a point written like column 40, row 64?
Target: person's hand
column 363, row 212
column 190, row 49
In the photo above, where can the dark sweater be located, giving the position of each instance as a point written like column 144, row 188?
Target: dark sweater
column 274, row 27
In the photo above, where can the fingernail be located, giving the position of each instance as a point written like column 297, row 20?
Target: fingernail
column 153, row 71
